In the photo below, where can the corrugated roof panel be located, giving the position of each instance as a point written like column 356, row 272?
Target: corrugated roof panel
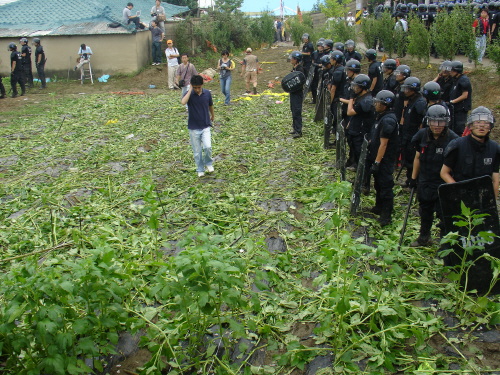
column 57, row 17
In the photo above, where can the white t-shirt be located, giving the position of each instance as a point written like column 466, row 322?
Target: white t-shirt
column 172, row 61
column 86, row 51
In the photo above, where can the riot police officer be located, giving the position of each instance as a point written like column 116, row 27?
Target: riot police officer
column 402, row 72
column 350, row 52
column 40, row 61
column 444, row 80
column 430, row 144
column 361, row 112
column 297, row 97
column 26, row 62
column 374, row 71
column 474, row 155
column 316, row 65
column 16, row 71
column 336, row 85
column 382, row 155
column 432, row 93
column 390, row 82
column 411, row 121
column 307, row 51
column 460, row 96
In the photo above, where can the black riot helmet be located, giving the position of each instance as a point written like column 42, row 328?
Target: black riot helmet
column 36, row 40
column 12, row 47
column 481, row 114
column 438, row 113
column 371, row 54
column 431, row 91
column 329, row 43
column 296, row 55
column 350, row 43
column 411, row 83
column 353, row 65
column 325, row 60
column 339, row 46
column 404, row 70
column 385, row 97
column 445, row 65
column 362, row 81
column 390, row 64
column 457, row 66
column 422, row 8
column 337, row 56
column 319, row 43
column 23, row 41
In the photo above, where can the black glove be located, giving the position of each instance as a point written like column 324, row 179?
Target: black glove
column 413, row 183
column 375, row 167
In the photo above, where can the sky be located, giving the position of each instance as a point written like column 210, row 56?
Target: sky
column 260, row 5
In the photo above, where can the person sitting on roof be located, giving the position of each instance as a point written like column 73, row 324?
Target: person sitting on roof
column 128, row 17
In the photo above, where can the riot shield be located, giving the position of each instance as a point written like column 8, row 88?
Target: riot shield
column 309, row 79
column 360, row 177
column 341, row 150
column 327, row 119
column 319, row 104
column 476, row 194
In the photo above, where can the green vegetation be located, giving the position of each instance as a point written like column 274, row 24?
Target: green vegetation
column 419, row 40
column 104, row 228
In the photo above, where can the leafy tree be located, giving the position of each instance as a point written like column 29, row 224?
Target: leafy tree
column 369, row 31
column 443, row 36
column 316, row 6
column 466, row 41
column 192, row 4
column 298, row 28
column 494, row 53
column 262, row 28
column 341, row 31
column 228, row 6
column 385, row 31
column 334, row 8
column 419, row 40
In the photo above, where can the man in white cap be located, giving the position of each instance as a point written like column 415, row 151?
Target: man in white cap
column 249, row 69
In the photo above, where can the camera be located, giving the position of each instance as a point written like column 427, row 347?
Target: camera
column 154, row 14
column 223, row 66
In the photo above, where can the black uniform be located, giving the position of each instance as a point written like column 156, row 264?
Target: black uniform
column 468, row 158
column 27, row 67
column 386, row 126
column 307, row 59
column 391, row 83
column 16, row 76
column 360, row 124
column 352, row 55
column 316, row 65
column 296, row 99
column 338, row 79
column 413, row 115
column 460, row 110
column 375, row 71
column 431, row 160
column 446, row 84
column 2, row 88
column 40, row 67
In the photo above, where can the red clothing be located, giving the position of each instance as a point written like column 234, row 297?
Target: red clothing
column 484, row 27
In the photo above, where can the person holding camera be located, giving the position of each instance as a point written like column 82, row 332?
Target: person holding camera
column 158, row 15
column 84, row 52
column 225, row 66
column 184, row 73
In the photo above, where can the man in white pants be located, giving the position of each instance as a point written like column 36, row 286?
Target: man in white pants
column 172, row 63
column 84, row 52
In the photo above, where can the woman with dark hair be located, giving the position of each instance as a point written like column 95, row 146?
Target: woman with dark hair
column 225, row 66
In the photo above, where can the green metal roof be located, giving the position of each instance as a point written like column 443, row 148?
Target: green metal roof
column 50, row 17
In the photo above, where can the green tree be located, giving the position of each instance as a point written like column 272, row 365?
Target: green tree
column 227, row 6
column 444, row 36
column 419, row 40
column 369, row 31
column 385, row 32
column 466, row 40
column 192, row 4
column 341, row 31
column 334, row 8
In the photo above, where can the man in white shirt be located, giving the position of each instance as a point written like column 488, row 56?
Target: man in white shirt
column 84, row 52
column 172, row 54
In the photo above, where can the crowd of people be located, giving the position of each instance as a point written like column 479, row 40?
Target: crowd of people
column 428, row 129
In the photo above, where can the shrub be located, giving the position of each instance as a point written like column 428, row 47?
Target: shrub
column 494, row 53
column 341, row 31
column 385, row 31
column 262, row 29
column 298, row 28
column 443, row 36
column 419, row 40
column 466, row 41
column 369, row 31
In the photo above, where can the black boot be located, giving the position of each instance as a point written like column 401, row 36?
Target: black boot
column 422, row 240
column 386, row 213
